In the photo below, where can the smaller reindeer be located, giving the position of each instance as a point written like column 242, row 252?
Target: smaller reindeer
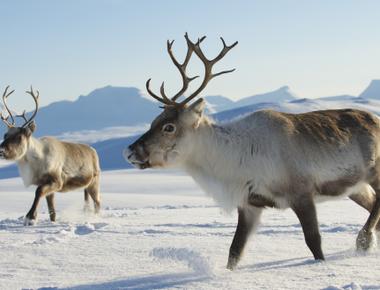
column 50, row 164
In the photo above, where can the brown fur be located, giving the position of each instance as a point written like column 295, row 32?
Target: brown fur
column 260, row 201
column 331, row 126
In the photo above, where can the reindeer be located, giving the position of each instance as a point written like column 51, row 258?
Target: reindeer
column 50, row 164
column 267, row 159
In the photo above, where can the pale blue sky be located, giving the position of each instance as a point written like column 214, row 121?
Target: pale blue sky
column 68, row 48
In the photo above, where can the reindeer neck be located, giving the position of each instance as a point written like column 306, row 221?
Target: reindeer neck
column 218, row 150
column 34, row 150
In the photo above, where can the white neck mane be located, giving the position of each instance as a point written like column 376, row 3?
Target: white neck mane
column 25, row 164
column 218, row 153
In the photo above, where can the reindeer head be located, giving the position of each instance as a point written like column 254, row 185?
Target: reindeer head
column 16, row 139
column 166, row 143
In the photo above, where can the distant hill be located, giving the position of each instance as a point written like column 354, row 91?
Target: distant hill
column 102, row 108
column 124, row 106
column 218, row 103
column 105, row 107
column 372, row 91
column 282, row 94
column 337, row 98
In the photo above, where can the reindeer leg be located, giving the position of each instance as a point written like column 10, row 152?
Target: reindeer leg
column 366, row 237
column 86, row 207
column 248, row 218
column 93, row 191
column 307, row 215
column 51, row 186
column 366, row 200
column 31, row 216
column 50, row 203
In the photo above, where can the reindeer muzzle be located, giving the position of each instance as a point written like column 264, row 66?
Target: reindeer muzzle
column 137, row 156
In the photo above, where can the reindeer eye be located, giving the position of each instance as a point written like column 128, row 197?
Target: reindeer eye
column 169, row 128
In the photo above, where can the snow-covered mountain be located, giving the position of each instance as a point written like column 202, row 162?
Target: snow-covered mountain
column 372, row 91
column 337, row 98
column 125, row 106
column 218, row 103
column 283, row 94
column 102, row 108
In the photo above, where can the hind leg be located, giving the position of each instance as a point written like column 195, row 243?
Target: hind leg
column 366, row 238
column 93, row 191
column 50, row 204
column 86, row 207
column 366, row 199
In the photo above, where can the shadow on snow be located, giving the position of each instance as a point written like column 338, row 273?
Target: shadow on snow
column 140, row 283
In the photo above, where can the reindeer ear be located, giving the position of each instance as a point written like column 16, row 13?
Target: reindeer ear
column 31, row 128
column 194, row 112
column 197, row 107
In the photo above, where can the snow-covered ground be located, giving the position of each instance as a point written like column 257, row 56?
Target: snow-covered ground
column 158, row 231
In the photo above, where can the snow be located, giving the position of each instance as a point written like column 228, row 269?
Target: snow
column 93, row 136
column 157, row 230
column 372, row 91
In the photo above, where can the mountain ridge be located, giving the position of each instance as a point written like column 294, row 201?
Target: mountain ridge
column 372, row 91
column 113, row 106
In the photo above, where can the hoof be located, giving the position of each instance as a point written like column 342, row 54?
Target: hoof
column 232, row 263
column 52, row 218
column 366, row 240
column 29, row 222
column 87, row 208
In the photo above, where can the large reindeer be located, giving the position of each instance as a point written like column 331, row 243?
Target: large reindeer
column 266, row 159
column 52, row 165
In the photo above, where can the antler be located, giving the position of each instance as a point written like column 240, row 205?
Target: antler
column 23, row 115
column 5, row 119
column 35, row 98
column 208, row 64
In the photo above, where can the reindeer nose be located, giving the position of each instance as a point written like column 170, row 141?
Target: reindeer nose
column 127, row 153
column 136, row 146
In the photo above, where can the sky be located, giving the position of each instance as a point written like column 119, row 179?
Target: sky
column 69, row 48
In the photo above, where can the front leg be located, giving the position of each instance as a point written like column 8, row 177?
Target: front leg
column 248, row 218
column 52, row 185
column 307, row 215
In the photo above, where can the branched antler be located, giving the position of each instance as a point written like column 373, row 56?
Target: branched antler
column 35, row 98
column 5, row 119
column 23, row 115
column 208, row 64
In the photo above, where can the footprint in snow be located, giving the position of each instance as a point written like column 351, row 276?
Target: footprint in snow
column 88, row 228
